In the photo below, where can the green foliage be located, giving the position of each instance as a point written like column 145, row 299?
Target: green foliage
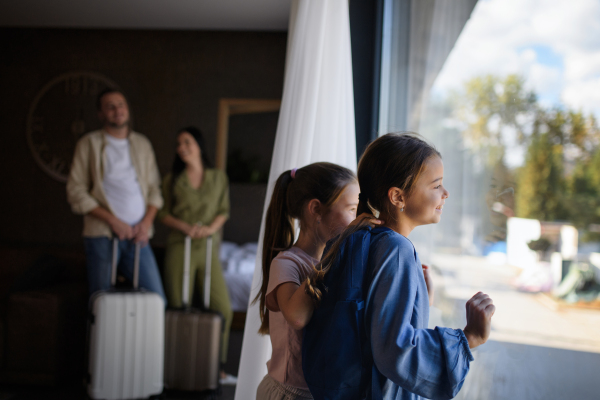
column 560, row 179
column 584, row 193
column 568, row 127
column 556, row 184
column 542, row 244
column 540, row 182
column 490, row 104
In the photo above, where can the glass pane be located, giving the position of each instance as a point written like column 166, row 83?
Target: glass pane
column 513, row 108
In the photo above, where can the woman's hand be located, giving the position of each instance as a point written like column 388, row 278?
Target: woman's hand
column 198, row 231
column 191, row 230
column 480, row 309
column 202, row 232
column 428, row 282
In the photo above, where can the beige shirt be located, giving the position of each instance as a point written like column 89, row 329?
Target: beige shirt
column 85, row 184
column 285, row 365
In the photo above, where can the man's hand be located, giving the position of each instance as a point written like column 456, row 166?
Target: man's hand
column 121, row 229
column 141, row 232
column 480, row 309
column 428, row 282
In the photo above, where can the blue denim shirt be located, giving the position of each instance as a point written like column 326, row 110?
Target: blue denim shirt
column 410, row 361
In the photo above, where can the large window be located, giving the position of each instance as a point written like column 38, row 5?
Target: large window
column 511, row 98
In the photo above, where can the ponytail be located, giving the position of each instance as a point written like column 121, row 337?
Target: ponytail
column 322, row 181
column 279, row 235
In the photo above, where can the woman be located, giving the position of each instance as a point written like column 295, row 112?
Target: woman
column 196, row 204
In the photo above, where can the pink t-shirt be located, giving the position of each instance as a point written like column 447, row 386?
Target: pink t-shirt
column 285, row 365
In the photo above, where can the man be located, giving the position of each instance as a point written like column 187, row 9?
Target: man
column 114, row 183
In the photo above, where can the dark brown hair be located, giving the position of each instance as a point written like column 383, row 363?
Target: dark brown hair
column 179, row 165
column 393, row 160
column 322, row 181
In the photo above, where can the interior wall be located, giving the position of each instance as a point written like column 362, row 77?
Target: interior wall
column 172, row 79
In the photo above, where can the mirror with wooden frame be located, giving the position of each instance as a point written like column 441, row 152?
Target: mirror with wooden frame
column 229, row 107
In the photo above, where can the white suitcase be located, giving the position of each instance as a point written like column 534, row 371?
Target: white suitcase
column 126, row 341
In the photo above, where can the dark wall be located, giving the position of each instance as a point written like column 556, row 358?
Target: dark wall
column 172, row 79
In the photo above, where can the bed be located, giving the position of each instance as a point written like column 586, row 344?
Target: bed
column 238, row 263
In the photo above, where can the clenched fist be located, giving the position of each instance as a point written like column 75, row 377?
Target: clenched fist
column 480, row 309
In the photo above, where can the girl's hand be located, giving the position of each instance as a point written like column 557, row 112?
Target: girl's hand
column 428, row 282
column 480, row 309
column 369, row 218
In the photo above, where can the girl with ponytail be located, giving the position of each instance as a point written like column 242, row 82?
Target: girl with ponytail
column 368, row 336
column 323, row 198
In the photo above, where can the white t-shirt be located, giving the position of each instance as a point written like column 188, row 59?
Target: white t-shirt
column 120, row 183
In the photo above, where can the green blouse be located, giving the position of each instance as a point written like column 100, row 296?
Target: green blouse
column 191, row 205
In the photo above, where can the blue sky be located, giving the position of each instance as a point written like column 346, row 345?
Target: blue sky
column 554, row 44
column 549, row 95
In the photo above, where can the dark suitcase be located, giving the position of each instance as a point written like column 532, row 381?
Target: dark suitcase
column 126, row 341
column 193, row 337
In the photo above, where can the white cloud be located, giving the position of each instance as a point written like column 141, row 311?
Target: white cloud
column 568, row 25
column 582, row 65
column 501, row 38
column 584, row 95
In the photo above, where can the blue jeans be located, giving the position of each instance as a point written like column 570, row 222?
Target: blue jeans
column 98, row 254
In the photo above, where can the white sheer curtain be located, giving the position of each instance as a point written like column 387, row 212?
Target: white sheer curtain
column 316, row 123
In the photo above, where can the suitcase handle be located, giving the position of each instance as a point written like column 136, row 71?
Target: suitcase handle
column 185, row 295
column 207, row 271
column 136, row 264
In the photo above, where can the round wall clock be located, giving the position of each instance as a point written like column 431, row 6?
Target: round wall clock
column 62, row 111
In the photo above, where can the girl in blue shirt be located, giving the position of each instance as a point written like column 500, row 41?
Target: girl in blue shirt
column 401, row 177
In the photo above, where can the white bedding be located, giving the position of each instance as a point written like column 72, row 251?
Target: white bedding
column 238, row 264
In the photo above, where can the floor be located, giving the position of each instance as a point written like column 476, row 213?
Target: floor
column 534, row 352
column 77, row 392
